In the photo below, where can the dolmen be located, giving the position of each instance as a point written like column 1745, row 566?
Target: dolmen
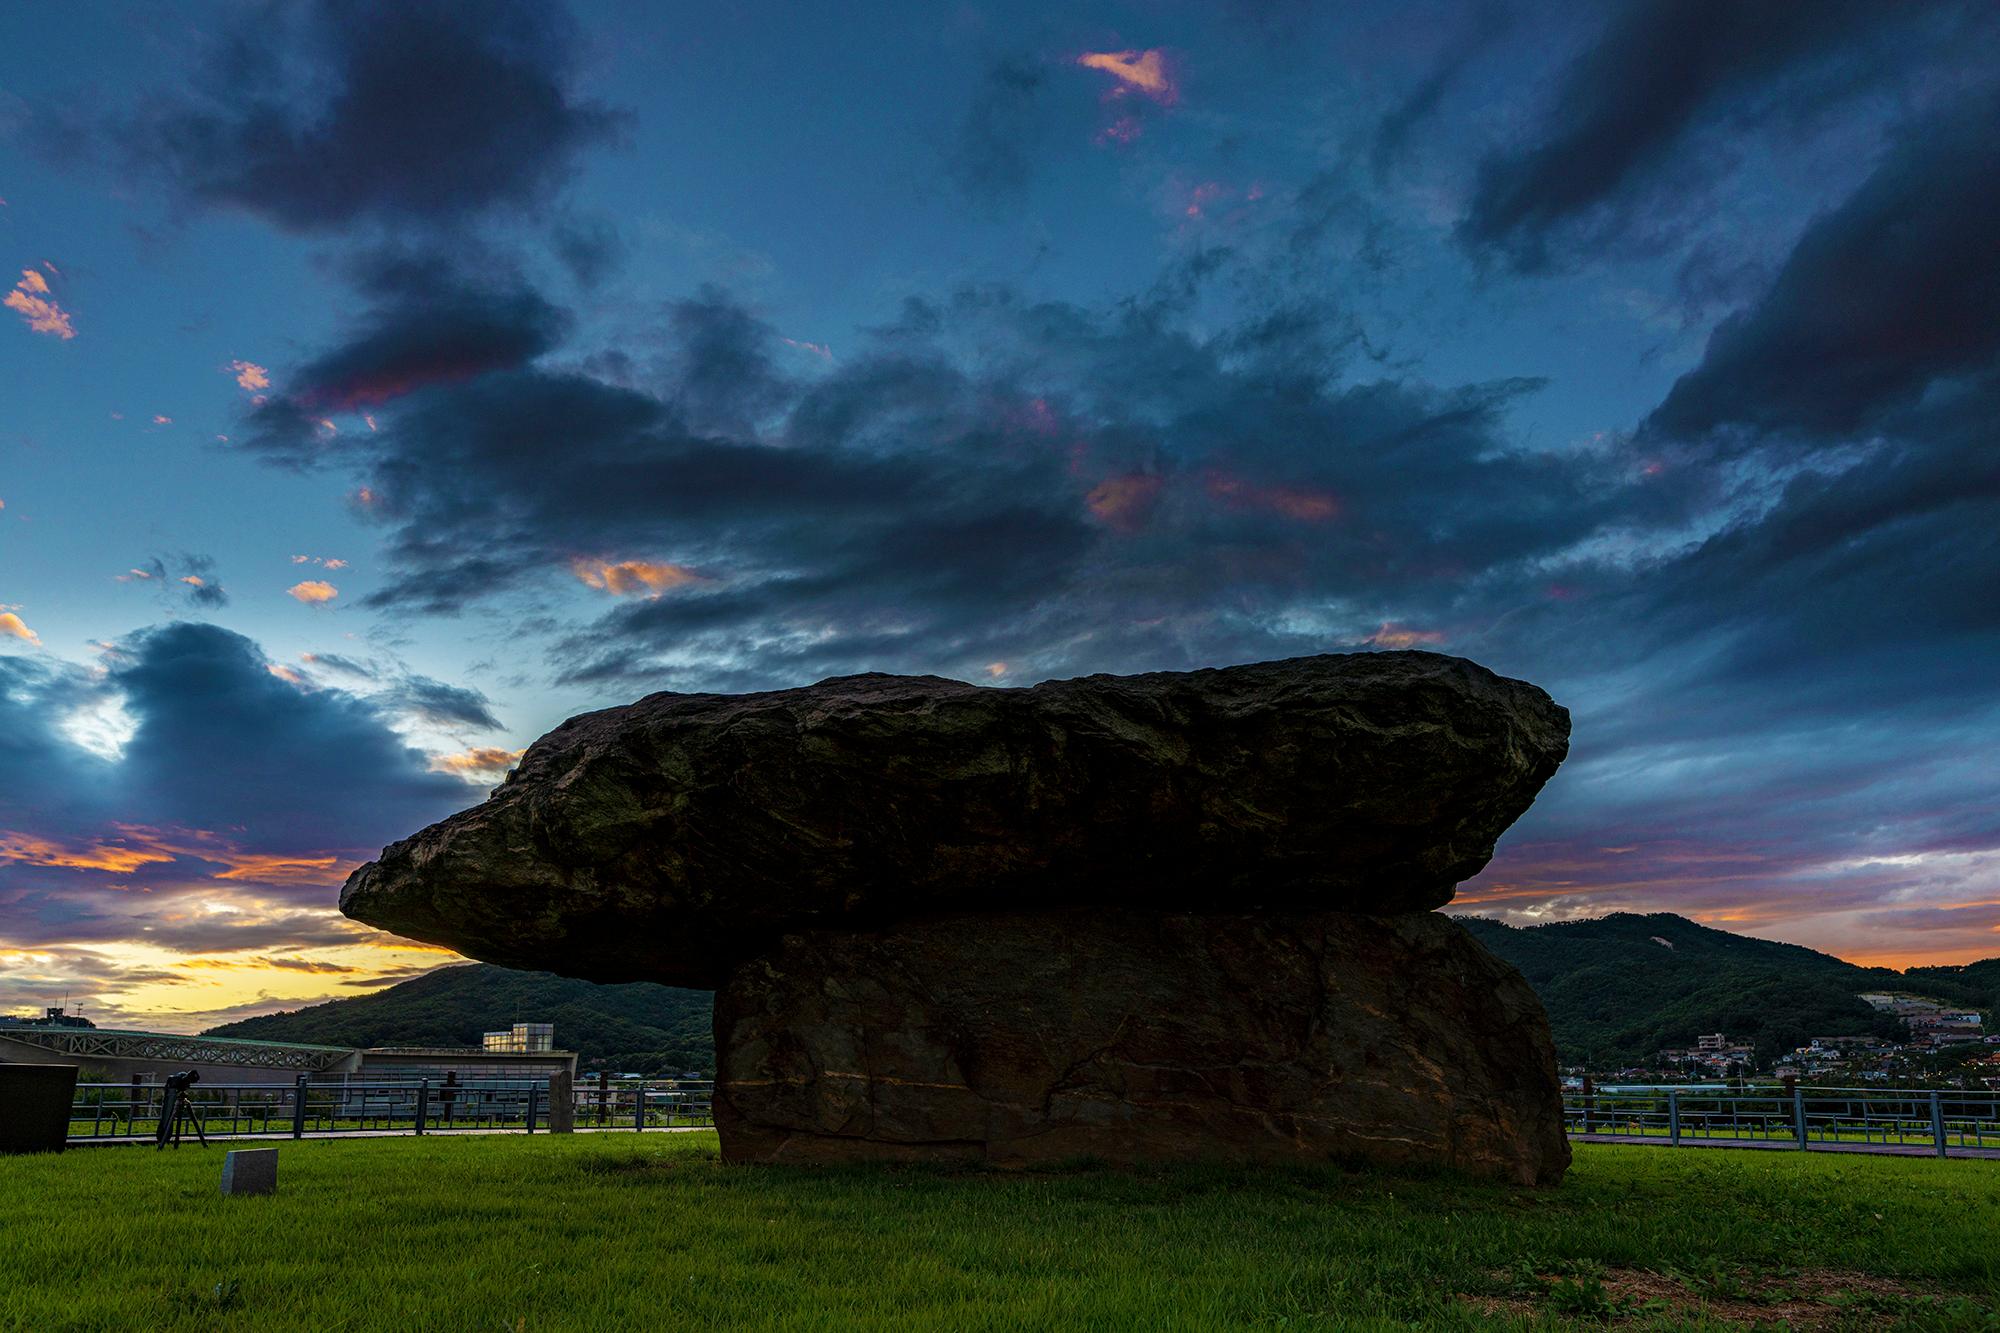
column 1165, row 917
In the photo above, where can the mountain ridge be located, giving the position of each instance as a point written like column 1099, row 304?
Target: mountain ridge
column 637, row 1027
column 1618, row 989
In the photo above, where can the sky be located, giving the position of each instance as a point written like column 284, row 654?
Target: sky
column 383, row 383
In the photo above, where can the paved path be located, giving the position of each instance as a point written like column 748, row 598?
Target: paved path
column 1787, row 1145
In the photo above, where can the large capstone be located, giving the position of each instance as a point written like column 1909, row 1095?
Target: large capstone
column 1124, row 1036
column 673, row 838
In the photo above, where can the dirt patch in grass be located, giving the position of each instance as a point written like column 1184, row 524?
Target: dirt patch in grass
column 1812, row 1298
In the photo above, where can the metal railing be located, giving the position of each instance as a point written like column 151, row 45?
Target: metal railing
column 662, row 1103
column 1841, row 1119
column 128, row 1112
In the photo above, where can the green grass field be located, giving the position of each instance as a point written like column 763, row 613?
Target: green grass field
column 615, row 1232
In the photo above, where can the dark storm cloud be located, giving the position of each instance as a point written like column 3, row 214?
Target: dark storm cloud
column 1894, row 290
column 994, row 477
column 1875, row 353
column 279, row 768
column 439, row 703
column 383, row 110
column 1630, row 108
column 1817, row 698
column 225, row 782
column 427, row 324
column 39, row 764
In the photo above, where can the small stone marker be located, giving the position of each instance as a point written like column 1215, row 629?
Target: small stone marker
column 250, row 1171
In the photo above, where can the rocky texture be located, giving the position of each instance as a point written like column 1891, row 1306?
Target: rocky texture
column 1138, row 1037
column 671, row 839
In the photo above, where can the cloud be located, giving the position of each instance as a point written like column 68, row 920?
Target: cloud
column 187, row 577
column 100, row 843
column 629, row 576
column 430, row 113
column 429, row 324
column 1392, row 635
column 313, row 592
column 429, row 327
column 1894, row 291
column 294, row 771
column 1392, row 133
column 250, row 376
column 1631, row 110
column 1111, row 486
column 437, row 703
column 12, row 626
column 31, row 301
column 1135, row 71
column 484, row 763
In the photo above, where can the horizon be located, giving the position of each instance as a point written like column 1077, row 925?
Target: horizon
column 386, row 384
column 78, row 1011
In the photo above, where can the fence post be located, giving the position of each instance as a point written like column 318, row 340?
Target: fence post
column 423, row 1102
column 1937, row 1124
column 1589, row 1102
column 603, row 1097
column 562, row 1103
column 639, row 1105
column 299, row 1107
column 1673, row 1118
column 533, row 1093
column 1799, row 1116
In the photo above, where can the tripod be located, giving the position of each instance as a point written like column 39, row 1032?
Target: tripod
column 177, row 1113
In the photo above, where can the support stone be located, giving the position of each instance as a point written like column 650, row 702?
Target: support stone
column 1035, row 1038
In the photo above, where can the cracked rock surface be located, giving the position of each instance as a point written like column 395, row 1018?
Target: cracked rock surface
column 670, row 839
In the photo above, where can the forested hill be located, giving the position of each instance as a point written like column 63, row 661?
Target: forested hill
column 639, row 1027
column 1620, row 988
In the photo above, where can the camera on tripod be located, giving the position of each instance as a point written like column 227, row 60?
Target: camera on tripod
column 177, row 1111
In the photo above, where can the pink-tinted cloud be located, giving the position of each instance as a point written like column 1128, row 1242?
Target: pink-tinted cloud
column 249, row 375
column 1120, row 131
column 480, row 763
column 313, row 592
column 31, row 300
column 128, row 848
column 118, row 857
column 820, row 350
column 1298, row 503
column 1125, row 501
column 10, row 624
column 1142, row 72
column 1394, row 635
column 630, row 576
